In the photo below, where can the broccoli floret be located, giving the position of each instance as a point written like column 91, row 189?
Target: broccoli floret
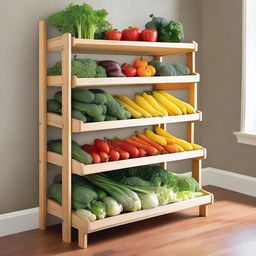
column 100, row 72
column 167, row 70
column 89, row 67
column 181, row 69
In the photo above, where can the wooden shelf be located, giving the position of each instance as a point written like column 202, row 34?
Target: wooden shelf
column 123, row 81
column 78, row 126
column 125, row 218
column 82, row 169
column 136, row 48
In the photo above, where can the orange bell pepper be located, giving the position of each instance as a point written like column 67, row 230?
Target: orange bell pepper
column 146, row 71
column 140, row 62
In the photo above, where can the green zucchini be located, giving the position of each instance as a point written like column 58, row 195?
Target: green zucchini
column 53, row 106
column 82, row 95
column 76, row 114
column 92, row 110
column 110, row 118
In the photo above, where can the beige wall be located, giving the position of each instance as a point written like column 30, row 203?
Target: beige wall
column 19, row 83
column 220, row 90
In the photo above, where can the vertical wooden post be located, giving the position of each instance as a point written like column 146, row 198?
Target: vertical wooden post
column 163, row 126
column 42, row 125
column 82, row 239
column 192, row 99
column 66, row 138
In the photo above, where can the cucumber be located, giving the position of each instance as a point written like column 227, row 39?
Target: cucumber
column 100, row 99
column 58, row 97
column 82, row 95
column 77, row 153
column 92, row 110
column 99, row 118
column 53, row 106
column 110, row 118
column 76, row 114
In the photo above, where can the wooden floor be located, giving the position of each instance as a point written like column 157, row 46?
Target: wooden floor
column 230, row 230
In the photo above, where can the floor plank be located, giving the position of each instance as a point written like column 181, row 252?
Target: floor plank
column 230, row 230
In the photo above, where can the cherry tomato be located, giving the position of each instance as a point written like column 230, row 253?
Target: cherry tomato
column 113, row 155
column 142, row 152
column 149, row 35
column 113, row 35
column 132, row 150
column 89, row 148
column 101, row 145
column 103, row 156
column 131, row 34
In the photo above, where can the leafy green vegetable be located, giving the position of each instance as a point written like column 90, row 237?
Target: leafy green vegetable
column 148, row 200
column 135, row 181
column 172, row 32
column 113, row 208
column 185, row 195
column 98, row 208
column 129, row 199
column 167, row 70
column 181, row 69
column 82, row 21
column 86, row 214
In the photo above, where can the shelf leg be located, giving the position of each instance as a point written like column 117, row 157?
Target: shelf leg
column 42, row 126
column 203, row 210
column 66, row 138
column 82, row 239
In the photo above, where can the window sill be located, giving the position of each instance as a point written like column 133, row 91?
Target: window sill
column 246, row 137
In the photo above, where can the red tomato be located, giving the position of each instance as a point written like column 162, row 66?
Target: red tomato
column 149, row 35
column 103, row 156
column 89, row 148
column 131, row 34
column 123, row 154
column 96, row 158
column 101, row 145
column 142, row 152
column 113, row 155
column 113, row 35
column 128, row 70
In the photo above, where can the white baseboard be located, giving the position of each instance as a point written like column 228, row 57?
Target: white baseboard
column 15, row 222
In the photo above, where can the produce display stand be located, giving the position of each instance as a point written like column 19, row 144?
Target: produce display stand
column 67, row 45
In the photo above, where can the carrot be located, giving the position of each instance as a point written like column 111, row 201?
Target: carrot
column 139, row 140
column 151, row 151
column 171, row 148
column 149, row 141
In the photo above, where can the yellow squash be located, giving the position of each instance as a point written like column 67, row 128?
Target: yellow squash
column 151, row 100
column 175, row 101
column 156, row 138
column 166, row 103
column 134, row 112
column 180, row 148
column 196, row 146
column 132, row 104
column 146, row 106
column 186, row 145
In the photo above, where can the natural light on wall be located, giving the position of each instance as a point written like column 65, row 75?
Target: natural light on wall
column 247, row 132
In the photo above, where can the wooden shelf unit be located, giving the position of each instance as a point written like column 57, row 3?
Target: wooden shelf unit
column 67, row 45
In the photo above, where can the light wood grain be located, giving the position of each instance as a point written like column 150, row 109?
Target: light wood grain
column 66, row 138
column 81, row 169
column 78, row 126
column 136, row 48
column 42, row 125
column 55, row 44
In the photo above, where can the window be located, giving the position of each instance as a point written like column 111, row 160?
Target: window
column 247, row 132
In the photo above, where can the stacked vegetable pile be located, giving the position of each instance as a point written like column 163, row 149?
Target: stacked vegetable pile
column 92, row 105
column 82, row 21
column 149, row 143
column 99, row 195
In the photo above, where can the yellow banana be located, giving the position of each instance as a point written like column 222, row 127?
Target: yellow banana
column 134, row 112
column 186, row 145
column 166, row 103
column 151, row 100
column 196, row 146
column 180, row 148
column 156, row 138
column 132, row 104
column 175, row 101
column 146, row 106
